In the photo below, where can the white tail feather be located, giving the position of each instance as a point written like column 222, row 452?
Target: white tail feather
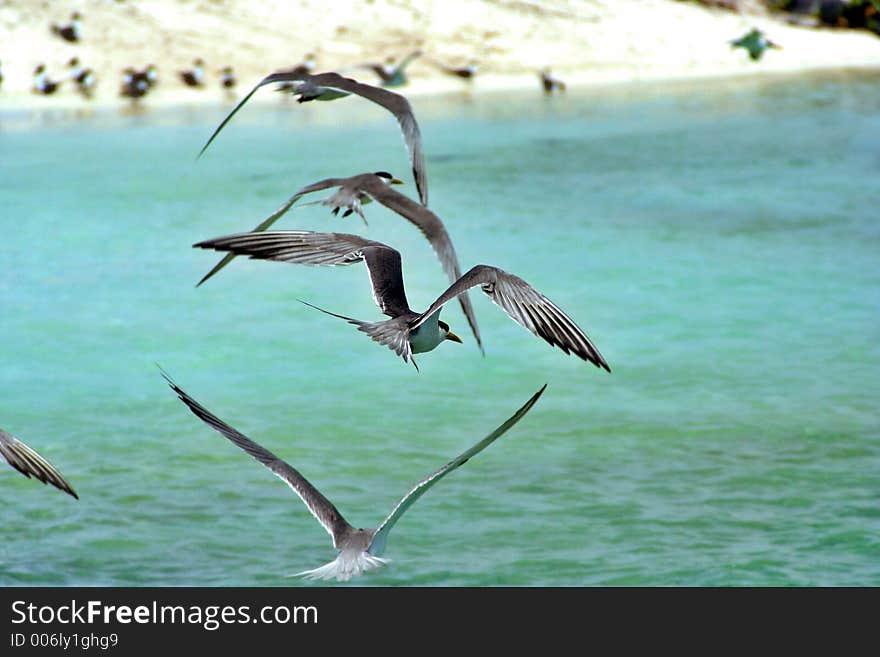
column 345, row 566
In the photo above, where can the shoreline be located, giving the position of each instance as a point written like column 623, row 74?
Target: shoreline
column 70, row 106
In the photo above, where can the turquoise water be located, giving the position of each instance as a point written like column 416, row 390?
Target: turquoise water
column 718, row 241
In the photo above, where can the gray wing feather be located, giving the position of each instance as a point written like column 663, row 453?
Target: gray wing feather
column 331, row 249
column 323, row 510
column 29, row 463
column 525, row 305
column 434, row 230
column 377, row 545
column 272, row 218
column 393, row 102
column 402, row 110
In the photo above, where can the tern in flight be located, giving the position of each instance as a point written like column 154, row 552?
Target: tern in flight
column 30, row 464
column 359, row 550
column 330, row 86
column 356, row 191
column 755, row 42
column 409, row 332
column 393, row 73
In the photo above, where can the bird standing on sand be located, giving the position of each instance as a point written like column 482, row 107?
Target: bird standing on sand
column 306, row 66
column 409, row 332
column 71, row 32
column 30, row 464
column 330, row 86
column 755, row 43
column 393, row 73
column 134, row 85
column 42, row 84
column 464, row 72
column 550, row 84
column 195, row 76
column 83, row 78
column 353, row 193
column 227, row 78
column 359, row 550
column 150, row 75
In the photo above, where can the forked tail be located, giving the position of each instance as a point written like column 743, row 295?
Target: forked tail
column 391, row 333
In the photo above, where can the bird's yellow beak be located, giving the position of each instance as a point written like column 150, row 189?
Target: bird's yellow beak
column 396, row 181
column 452, row 336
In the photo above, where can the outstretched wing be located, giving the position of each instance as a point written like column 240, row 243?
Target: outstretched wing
column 291, row 75
column 399, row 106
column 320, row 506
column 309, row 248
column 395, row 103
column 433, row 229
column 272, row 218
column 29, row 463
column 525, row 305
column 377, row 545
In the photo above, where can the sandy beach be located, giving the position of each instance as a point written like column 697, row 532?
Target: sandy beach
column 583, row 41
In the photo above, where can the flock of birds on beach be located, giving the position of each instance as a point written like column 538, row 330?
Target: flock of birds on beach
column 137, row 83
column 406, row 332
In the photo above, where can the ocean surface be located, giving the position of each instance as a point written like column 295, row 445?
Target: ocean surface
column 718, row 241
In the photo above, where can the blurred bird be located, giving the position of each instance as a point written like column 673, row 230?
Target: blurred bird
column 330, row 86
column 134, row 84
column 194, row 77
column 755, row 42
column 409, row 332
column 464, row 72
column 42, row 84
column 549, row 83
column 227, row 78
column 353, row 193
column 359, row 550
column 306, row 67
column 393, row 73
column 30, row 464
column 84, row 78
column 150, row 75
column 71, row 32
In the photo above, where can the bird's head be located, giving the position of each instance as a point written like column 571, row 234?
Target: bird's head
column 446, row 333
column 388, row 178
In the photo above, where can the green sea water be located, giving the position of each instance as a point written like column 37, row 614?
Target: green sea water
column 718, row 241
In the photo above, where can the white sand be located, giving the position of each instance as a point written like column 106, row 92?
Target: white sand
column 584, row 41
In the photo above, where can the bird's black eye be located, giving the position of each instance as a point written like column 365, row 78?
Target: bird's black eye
column 443, row 325
column 384, row 174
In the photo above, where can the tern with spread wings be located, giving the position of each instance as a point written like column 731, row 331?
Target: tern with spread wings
column 352, row 194
column 409, row 332
column 359, row 550
column 330, row 86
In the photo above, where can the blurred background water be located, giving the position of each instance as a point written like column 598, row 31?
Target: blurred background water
column 718, row 241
